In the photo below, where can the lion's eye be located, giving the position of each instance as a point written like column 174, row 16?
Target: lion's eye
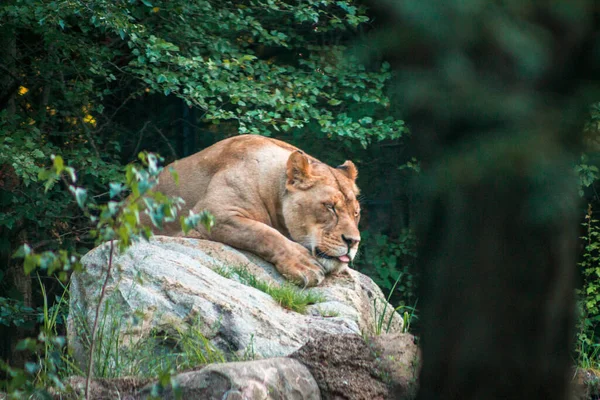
column 330, row 207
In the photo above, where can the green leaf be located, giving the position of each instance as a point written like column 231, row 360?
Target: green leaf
column 26, row 344
column 207, row 220
column 22, row 251
column 31, row 367
column 72, row 175
column 192, row 220
column 113, row 208
column 175, row 175
column 115, row 189
column 57, row 163
column 45, row 174
column 38, row 153
column 30, row 264
column 80, row 195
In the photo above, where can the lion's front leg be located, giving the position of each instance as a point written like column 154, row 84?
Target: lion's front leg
column 291, row 259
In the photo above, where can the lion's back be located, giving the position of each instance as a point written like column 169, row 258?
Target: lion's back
column 244, row 162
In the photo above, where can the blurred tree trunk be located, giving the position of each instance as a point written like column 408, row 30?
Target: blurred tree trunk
column 494, row 93
column 498, row 257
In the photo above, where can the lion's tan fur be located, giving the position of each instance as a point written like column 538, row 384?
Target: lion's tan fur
column 270, row 198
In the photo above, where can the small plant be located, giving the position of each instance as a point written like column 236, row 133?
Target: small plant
column 589, row 352
column 382, row 325
column 52, row 317
column 286, row 295
column 52, row 363
column 196, row 349
column 147, row 357
column 328, row 313
column 408, row 317
column 225, row 272
column 249, row 353
column 589, row 295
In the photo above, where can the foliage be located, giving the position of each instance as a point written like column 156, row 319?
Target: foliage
column 383, row 321
column 591, row 129
column 587, row 173
column 196, row 348
column 286, row 295
column 587, row 349
column 37, row 377
column 116, row 222
column 587, row 346
column 14, row 313
column 589, row 294
column 587, row 167
column 149, row 357
column 52, row 362
column 389, row 262
column 238, row 63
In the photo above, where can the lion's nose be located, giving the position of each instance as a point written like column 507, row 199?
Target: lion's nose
column 351, row 241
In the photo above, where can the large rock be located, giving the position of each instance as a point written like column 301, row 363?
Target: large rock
column 161, row 287
column 272, row 379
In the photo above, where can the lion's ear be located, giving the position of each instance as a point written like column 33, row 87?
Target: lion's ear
column 299, row 171
column 349, row 169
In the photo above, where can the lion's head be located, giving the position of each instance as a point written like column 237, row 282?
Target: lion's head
column 321, row 210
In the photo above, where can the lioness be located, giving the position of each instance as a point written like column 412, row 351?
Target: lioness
column 272, row 199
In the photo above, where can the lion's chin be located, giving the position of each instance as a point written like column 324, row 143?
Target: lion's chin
column 332, row 265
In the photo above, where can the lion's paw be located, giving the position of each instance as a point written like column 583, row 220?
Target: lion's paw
column 303, row 270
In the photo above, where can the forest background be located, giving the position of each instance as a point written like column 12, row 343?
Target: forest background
column 97, row 82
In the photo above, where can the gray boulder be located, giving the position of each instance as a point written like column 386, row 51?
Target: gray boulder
column 271, row 379
column 162, row 287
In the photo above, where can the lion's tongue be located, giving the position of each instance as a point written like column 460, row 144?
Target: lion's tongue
column 344, row 258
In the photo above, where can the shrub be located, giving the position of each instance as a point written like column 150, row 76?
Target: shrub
column 589, row 295
column 389, row 261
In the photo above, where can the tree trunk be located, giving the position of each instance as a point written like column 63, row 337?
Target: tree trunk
column 498, row 257
column 493, row 95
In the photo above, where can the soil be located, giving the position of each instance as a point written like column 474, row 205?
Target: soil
column 345, row 367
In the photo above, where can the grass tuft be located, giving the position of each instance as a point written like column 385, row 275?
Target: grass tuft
column 286, row 295
column 148, row 357
column 328, row 313
column 407, row 317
